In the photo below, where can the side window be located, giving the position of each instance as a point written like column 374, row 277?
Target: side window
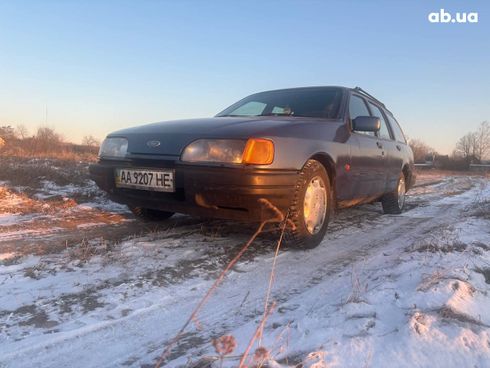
column 279, row 110
column 384, row 131
column 357, row 107
column 397, row 131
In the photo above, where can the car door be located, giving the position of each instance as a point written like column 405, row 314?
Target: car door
column 400, row 152
column 393, row 155
column 368, row 159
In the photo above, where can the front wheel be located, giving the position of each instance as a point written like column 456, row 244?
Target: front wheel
column 150, row 215
column 394, row 201
column 311, row 207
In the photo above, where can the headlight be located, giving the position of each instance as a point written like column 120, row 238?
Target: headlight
column 214, row 150
column 254, row 151
column 113, row 148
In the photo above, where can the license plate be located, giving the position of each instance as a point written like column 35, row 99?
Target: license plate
column 155, row 180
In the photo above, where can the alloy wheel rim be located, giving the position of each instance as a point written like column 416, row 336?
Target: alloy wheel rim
column 401, row 193
column 315, row 205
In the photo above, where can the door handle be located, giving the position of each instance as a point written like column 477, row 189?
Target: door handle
column 398, row 147
column 379, row 145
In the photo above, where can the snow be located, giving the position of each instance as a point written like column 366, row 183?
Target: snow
column 381, row 290
column 8, row 219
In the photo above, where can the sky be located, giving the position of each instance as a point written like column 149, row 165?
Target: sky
column 91, row 67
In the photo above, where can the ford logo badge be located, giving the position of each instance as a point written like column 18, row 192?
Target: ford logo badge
column 153, row 144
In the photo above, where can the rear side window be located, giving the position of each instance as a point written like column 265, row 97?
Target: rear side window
column 384, row 131
column 397, row 131
column 357, row 107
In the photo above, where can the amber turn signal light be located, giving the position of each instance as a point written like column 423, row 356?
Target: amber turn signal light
column 258, row 151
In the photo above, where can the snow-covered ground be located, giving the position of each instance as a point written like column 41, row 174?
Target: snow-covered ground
column 84, row 285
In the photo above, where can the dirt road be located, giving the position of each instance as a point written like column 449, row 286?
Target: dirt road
column 84, row 285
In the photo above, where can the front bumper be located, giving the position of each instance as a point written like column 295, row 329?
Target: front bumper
column 222, row 192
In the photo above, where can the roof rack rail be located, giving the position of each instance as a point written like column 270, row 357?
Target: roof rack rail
column 360, row 90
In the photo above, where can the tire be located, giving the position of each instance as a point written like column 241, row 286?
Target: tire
column 312, row 189
column 150, row 215
column 394, row 202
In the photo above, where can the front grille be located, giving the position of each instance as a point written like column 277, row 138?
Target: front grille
column 153, row 163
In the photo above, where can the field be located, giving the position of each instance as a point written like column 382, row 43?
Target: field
column 83, row 284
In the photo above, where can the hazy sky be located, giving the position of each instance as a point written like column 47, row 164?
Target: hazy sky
column 97, row 66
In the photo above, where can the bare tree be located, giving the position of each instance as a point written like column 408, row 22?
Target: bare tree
column 475, row 146
column 21, row 131
column 466, row 146
column 7, row 132
column 420, row 150
column 482, row 141
column 46, row 139
column 91, row 141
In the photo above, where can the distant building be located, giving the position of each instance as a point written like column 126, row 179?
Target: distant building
column 429, row 159
column 483, row 166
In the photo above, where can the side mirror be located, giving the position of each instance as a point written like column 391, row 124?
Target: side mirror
column 366, row 124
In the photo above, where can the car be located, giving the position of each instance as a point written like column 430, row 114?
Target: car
column 307, row 151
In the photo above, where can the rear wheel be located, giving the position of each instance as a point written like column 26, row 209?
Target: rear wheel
column 311, row 207
column 394, row 202
column 151, row 215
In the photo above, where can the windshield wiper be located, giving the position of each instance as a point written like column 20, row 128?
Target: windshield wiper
column 234, row 116
column 275, row 114
column 253, row 116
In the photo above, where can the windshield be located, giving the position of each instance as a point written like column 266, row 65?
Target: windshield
column 308, row 102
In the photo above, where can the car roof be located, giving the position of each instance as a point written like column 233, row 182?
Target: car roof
column 304, row 88
column 370, row 98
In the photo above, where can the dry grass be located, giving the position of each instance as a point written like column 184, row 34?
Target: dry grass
column 449, row 314
column 446, row 240
column 358, row 289
column 480, row 206
column 62, row 154
column 28, row 172
column 87, row 249
column 264, row 354
column 481, row 209
column 276, row 217
column 435, row 278
column 47, row 144
column 226, row 345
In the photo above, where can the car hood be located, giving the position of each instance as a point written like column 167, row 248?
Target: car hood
column 174, row 136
